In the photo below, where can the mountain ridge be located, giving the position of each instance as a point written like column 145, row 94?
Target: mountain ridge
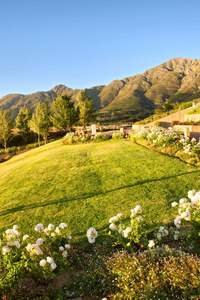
column 177, row 79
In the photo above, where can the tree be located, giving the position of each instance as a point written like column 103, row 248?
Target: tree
column 6, row 125
column 41, row 121
column 22, row 122
column 86, row 108
column 65, row 114
column 167, row 105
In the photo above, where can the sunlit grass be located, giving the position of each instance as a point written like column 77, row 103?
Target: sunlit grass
column 86, row 184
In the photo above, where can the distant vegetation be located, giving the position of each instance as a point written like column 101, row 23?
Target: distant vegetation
column 66, row 115
column 194, row 110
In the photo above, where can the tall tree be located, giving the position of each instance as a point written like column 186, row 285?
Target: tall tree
column 41, row 121
column 65, row 114
column 86, row 108
column 22, row 122
column 6, row 125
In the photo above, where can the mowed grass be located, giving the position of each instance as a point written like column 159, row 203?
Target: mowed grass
column 86, row 184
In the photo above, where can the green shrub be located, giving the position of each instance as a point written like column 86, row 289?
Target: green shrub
column 194, row 110
column 158, row 124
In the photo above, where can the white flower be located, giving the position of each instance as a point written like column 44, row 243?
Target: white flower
column 5, row 250
column 39, row 241
column 186, row 215
column 191, row 194
column 175, row 237
column 183, row 200
column 64, row 253
column 15, row 227
column 138, row 208
column 50, row 260
column 151, row 244
column 25, row 237
column 16, row 233
column 69, row 237
column 174, row 204
column 39, row 227
column 127, row 231
column 114, row 219
column 113, row 226
column 43, row 262
column 57, row 230
column 120, row 215
column 17, row 244
column 91, row 235
column 67, row 246
column 53, row 266
column 61, row 248
column 161, row 229
column 177, row 221
column 63, row 225
column 50, row 227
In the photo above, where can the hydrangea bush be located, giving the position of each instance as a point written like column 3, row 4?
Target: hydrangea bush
column 40, row 256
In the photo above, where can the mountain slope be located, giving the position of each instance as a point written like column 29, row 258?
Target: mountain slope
column 177, row 79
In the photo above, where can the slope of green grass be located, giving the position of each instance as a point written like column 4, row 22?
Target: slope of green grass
column 86, row 184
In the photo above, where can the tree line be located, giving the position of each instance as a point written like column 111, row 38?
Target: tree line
column 65, row 115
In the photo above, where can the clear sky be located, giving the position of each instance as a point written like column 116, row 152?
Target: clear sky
column 83, row 43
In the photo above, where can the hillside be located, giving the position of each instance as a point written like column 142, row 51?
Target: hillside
column 86, row 184
column 132, row 97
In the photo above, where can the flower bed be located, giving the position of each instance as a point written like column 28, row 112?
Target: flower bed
column 153, row 270
column 170, row 142
column 82, row 137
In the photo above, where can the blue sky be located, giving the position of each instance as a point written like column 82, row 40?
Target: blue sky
column 83, row 43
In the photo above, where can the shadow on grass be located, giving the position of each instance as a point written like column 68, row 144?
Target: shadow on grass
column 89, row 195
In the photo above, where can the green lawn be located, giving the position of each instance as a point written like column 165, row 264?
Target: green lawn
column 86, row 184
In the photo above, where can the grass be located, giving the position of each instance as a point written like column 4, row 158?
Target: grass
column 86, row 184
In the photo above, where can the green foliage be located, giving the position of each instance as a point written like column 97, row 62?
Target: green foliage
column 158, row 124
column 22, row 122
column 185, row 105
column 194, row 110
column 41, row 120
column 6, row 125
column 65, row 114
column 167, row 105
column 85, row 108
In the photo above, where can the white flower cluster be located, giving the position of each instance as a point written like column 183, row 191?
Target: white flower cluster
column 186, row 208
column 34, row 249
column 11, row 236
column 49, row 230
column 151, row 244
column 162, row 232
column 136, row 210
column 49, row 260
column 114, row 220
column 92, row 235
column 63, row 249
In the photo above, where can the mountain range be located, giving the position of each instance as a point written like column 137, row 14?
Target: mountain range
column 131, row 98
